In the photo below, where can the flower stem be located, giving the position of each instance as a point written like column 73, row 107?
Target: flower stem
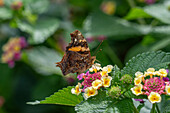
column 157, row 108
column 153, row 108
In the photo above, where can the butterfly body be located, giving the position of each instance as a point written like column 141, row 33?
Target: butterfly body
column 77, row 57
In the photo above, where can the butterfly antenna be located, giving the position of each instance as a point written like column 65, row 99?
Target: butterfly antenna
column 98, row 48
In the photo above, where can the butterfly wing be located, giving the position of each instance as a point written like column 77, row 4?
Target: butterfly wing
column 77, row 57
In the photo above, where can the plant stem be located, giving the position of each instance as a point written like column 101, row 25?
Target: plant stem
column 135, row 110
column 153, row 108
column 133, row 5
column 157, row 108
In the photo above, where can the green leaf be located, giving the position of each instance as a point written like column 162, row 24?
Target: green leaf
column 36, row 6
column 123, row 106
column 5, row 13
column 136, row 13
column 116, row 74
column 116, row 71
column 158, row 11
column 43, row 60
column 160, row 44
column 62, row 97
column 100, row 24
column 146, row 60
column 102, row 103
column 166, row 107
column 41, row 31
column 95, row 104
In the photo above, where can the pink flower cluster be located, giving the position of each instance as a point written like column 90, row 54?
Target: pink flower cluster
column 154, row 84
column 12, row 50
column 88, row 78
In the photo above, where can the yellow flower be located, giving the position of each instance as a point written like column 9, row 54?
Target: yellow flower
column 139, row 74
column 154, row 97
column 167, row 89
column 76, row 90
column 90, row 91
column 95, row 67
column 157, row 73
column 109, row 68
column 150, row 71
column 137, row 81
column 96, row 84
column 163, row 72
column 137, row 90
column 104, row 72
column 106, row 81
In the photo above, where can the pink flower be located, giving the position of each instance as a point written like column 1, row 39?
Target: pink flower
column 80, row 77
column 90, row 78
column 154, row 85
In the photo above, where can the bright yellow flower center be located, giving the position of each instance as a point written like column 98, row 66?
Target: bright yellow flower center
column 104, row 73
column 109, row 70
column 154, row 98
column 77, row 90
column 137, row 90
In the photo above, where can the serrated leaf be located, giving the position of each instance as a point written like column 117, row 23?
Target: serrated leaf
column 100, row 24
column 159, row 11
column 146, row 60
column 116, row 71
column 136, row 13
column 123, row 106
column 166, row 107
column 102, row 103
column 62, row 97
column 43, row 60
column 5, row 13
column 97, row 104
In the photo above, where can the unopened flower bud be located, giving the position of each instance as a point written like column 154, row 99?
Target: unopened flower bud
column 115, row 92
column 127, row 79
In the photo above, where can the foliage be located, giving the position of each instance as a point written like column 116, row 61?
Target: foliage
column 134, row 28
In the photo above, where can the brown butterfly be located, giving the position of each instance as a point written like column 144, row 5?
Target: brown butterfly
column 77, row 57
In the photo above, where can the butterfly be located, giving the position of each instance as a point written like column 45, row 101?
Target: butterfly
column 77, row 57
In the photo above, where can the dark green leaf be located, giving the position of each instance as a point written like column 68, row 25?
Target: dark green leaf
column 97, row 104
column 123, row 106
column 62, row 97
column 146, row 60
column 100, row 24
column 101, row 103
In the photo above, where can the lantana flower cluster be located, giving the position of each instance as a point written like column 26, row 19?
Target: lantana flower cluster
column 12, row 50
column 152, row 83
column 93, row 80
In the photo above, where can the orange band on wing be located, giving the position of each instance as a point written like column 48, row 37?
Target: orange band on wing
column 78, row 48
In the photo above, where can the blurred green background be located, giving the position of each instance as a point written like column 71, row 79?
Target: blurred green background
column 127, row 27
